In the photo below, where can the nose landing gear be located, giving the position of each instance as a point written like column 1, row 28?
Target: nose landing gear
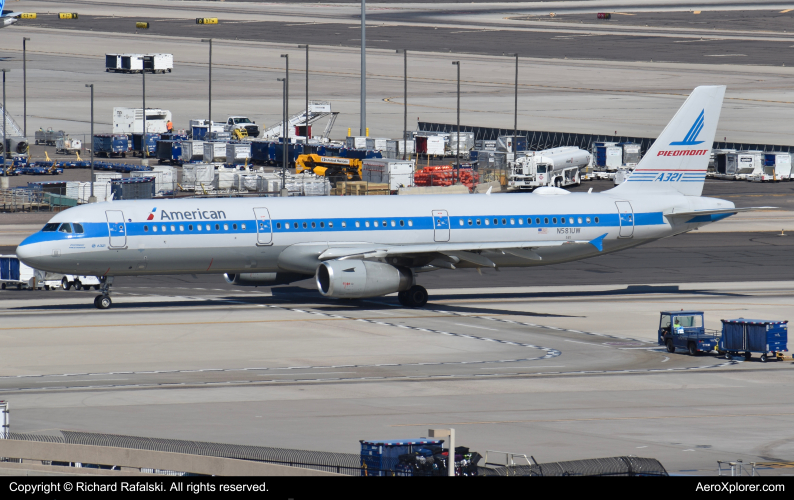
column 103, row 301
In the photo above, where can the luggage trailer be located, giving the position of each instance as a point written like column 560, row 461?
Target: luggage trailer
column 742, row 337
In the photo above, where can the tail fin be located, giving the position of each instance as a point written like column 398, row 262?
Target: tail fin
column 679, row 158
column 2, row 4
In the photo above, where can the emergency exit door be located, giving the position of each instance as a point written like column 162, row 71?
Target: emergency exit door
column 441, row 225
column 116, row 228
column 626, row 216
column 264, row 228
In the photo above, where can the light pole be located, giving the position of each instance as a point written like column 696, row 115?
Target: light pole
column 405, row 99
column 363, row 67
column 5, row 120
column 457, row 152
column 24, row 88
column 284, row 136
column 209, row 91
column 286, row 95
column 143, row 138
column 515, row 113
column 92, row 198
column 306, row 132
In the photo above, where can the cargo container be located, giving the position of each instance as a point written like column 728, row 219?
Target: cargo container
column 260, row 152
column 214, row 152
column 746, row 336
column 485, row 145
column 380, row 457
column 111, row 145
column 745, row 164
column 431, row 145
column 133, row 188
column 130, row 120
column 238, row 152
column 164, row 178
column 169, row 152
column 396, row 173
column 192, row 150
column 396, row 148
column 724, row 169
column 151, row 144
column 136, row 63
column 776, row 167
column 199, row 129
column 632, row 153
column 376, row 143
column 356, row 142
column 160, row 63
column 15, row 274
column 197, row 176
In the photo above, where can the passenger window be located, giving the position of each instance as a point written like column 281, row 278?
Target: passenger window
column 198, row 226
column 322, row 224
column 243, row 226
column 217, row 227
column 366, row 223
column 545, row 220
column 145, row 229
column 65, row 228
column 470, row 222
column 295, row 225
column 554, row 220
column 52, row 226
column 78, row 228
column 330, row 224
column 190, row 227
column 410, row 223
column 164, row 229
column 181, row 227
column 596, row 220
column 478, row 222
column 234, row 226
column 393, row 224
column 207, row 227
column 529, row 221
column 512, row 222
column 487, row 222
column 384, row 224
column 278, row 225
column 537, row 220
column 344, row 223
column 358, row 224
column 314, row 225
column 402, row 224
column 226, row 227
column 504, row 222
column 587, row 219
column 304, row 225
column 154, row 228
column 520, row 221
column 173, row 228
column 460, row 221
column 579, row 220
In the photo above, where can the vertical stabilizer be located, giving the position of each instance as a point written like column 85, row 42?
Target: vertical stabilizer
column 679, row 158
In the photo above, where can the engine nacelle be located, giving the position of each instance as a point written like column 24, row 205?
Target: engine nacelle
column 263, row 279
column 357, row 279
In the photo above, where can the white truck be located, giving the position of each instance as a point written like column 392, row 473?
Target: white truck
column 134, row 63
column 244, row 125
column 557, row 167
column 78, row 282
column 130, row 120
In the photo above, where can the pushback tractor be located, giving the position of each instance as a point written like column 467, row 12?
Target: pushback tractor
column 684, row 330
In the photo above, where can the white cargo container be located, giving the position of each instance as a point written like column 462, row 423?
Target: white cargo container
column 745, row 164
column 102, row 191
column 197, row 176
column 397, row 173
column 224, row 179
column 238, row 152
column 632, row 153
column 432, row 145
column 377, row 143
column 130, row 120
column 192, row 150
column 215, row 151
column 14, row 273
column 614, row 158
column 356, row 142
column 777, row 167
column 163, row 63
column 164, row 178
column 395, row 149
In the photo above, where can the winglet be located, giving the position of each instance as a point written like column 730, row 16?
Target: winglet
column 599, row 242
column 489, row 190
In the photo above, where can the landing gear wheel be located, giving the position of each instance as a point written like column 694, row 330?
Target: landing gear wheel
column 403, row 298
column 557, row 183
column 670, row 346
column 65, row 284
column 102, row 302
column 692, row 349
column 417, row 296
column 747, row 356
column 763, row 358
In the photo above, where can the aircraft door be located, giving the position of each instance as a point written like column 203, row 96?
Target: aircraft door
column 626, row 215
column 116, row 228
column 264, row 228
column 441, row 225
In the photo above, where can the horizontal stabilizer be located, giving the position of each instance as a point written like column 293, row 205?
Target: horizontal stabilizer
column 712, row 215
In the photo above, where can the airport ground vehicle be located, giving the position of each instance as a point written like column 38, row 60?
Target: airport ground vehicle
column 79, row 282
column 684, row 330
column 329, row 166
column 746, row 336
column 67, row 145
column 14, row 273
column 558, row 167
column 241, row 126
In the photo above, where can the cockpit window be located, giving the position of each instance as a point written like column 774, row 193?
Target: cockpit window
column 50, row 226
column 65, row 228
column 78, row 228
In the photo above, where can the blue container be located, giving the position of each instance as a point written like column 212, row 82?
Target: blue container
column 362, row 154
column 132, row 188
column 260, row 152
column 277, row 152
column 169, row 151
column 379, row 458
column 744, row 336
column 151, row 143
column 110, row 144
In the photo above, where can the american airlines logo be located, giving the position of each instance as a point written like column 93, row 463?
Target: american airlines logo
column 191, row 215
column 691, row 137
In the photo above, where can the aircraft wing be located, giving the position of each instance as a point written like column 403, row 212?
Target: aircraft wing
column 712, row 215
column 462, row 251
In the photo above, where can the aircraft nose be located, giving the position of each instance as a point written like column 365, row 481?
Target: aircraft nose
column 28, row 251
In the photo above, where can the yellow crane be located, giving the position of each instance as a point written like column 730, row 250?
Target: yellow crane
column 329, row 166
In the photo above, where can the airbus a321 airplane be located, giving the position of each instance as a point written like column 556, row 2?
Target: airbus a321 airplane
column 357, row 247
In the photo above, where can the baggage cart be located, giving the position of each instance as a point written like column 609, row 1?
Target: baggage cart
column 742, row 337
column 381, row 457
column 111, row 145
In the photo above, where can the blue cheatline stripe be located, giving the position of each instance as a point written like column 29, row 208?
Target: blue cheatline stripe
column 347, row 225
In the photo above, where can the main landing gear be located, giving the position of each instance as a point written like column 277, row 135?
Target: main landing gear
column 416, row 296
column 103, row 301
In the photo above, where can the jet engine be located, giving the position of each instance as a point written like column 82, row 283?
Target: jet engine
column 263, row 279
column 356, row 279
